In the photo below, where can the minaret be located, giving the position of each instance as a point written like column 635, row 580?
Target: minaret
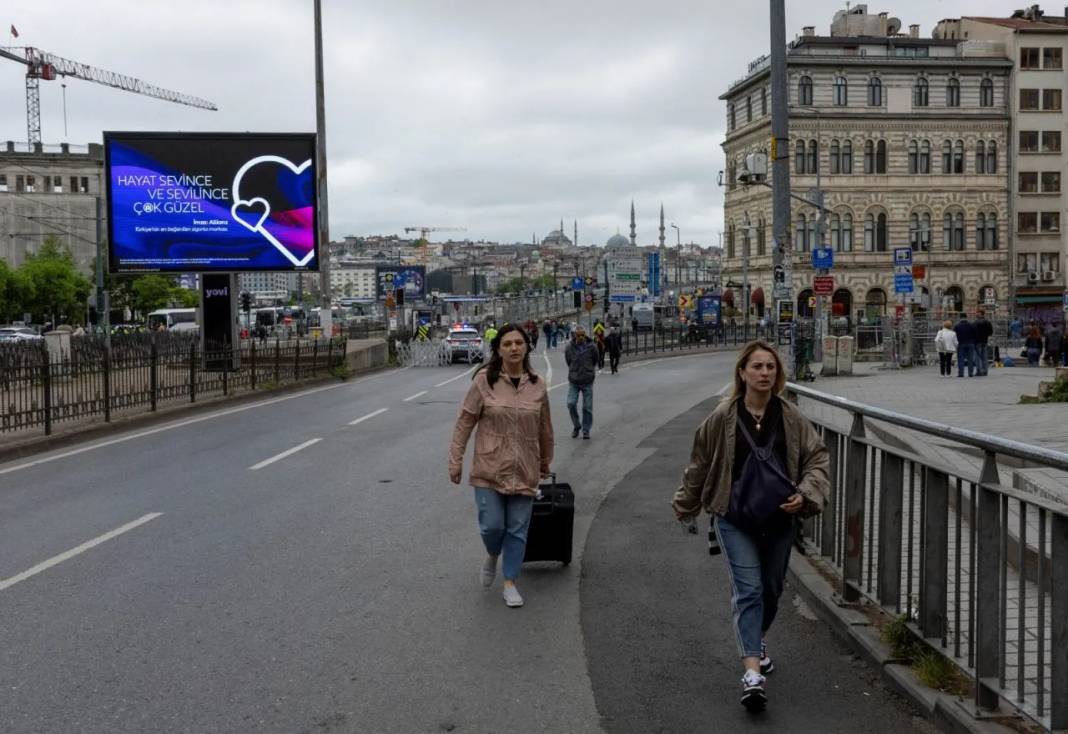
column 661, row 226
column 663, row 270
column 633, row 228
column 575, row 241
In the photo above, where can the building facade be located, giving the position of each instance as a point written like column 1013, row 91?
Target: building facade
column 353, row 282
column 908, row 140
column 50, row 190
column 1037, row 45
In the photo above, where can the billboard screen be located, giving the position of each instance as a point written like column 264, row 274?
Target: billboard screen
column 191, row 202
column 412, row 278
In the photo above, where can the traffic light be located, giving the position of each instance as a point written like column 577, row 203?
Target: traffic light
column 246, row 301
column 578, row 298
column 398, row 296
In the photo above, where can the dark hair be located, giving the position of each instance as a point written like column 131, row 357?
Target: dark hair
column 493, row 367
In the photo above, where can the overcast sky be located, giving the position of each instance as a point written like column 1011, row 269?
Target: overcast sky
column 499, row 117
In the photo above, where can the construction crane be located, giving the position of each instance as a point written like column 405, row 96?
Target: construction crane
column 423, row 232
column 44, row 65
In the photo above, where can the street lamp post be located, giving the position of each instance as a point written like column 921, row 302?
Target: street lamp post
column 678, row 254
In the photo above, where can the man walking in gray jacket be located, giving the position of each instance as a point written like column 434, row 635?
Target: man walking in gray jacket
column 581, row 359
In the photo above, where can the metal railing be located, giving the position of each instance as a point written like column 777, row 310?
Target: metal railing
column 681, row 338
column 978, row 568
column 139, row 372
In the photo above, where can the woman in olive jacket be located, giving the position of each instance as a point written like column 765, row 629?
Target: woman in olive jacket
column 756, row 561
column 513, row 448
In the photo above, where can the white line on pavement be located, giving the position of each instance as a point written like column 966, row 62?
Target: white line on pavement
column 284, row 454
column 454, row 379
column 417, row 395
column 559, row 384
column 182, row 424
column 548, row 369
column 368, row 416
column 56, row 560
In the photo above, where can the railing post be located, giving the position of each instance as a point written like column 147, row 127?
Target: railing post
column 296, row 362
column 856, row 469
column 46, row 386
column 1058, row 685
column 193, row 372
column 890, row 509
column 277, row 361
column 988, row 588
column 225, row 363
column 934, row 586
column 315, row 356
column 107, row 383
column 252, row 364
column 829, row 517
column 153, row 364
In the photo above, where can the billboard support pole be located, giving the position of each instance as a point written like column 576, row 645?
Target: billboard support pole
column 325, row 314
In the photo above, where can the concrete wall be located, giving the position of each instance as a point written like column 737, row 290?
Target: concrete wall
column 366, row 354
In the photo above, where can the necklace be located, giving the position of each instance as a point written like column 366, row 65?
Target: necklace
column 757, row 416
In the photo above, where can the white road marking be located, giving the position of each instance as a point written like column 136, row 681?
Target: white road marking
column 454, row 379
column 284, row 454
column 182, row 424
column 722, row 390
column 368, row 416
column 548, row 369
column 559, row 384
column 56, row 560
column 417, row 395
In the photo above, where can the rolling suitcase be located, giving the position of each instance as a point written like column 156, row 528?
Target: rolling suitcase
column 552, row 521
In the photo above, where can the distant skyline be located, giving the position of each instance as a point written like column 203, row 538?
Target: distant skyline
column 501, row 118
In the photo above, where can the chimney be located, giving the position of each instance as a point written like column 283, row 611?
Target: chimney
column 808, row 31
column 914, row 31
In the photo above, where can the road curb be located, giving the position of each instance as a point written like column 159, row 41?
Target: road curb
column 42, row 444
column 949, row 713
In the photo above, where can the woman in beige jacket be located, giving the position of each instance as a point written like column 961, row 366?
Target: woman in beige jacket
column 513, row 448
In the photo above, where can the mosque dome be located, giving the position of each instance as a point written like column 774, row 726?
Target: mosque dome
column 618, row 240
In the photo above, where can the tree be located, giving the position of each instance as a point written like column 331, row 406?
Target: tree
column 152, row 292
column 55, row 291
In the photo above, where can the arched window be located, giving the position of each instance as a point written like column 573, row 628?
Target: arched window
column 730, row 112
column 880, row 233
column 875, row 303
column 875, row 232
column 986, row 231
column 953, row 93
column 869, row 156
column 869, row 233
column 847, row 156
column 799, row 157
column 841, row 91
column 953, row 301
column 980, row 231
column 835, row 223
column 764, row 101
column 875, row 92
column 841, row 228
column 920, row 231
column 813, row 157
column 749, row 108
column 747, row 232
column 920, row 94
column 914, row 157
column 880, row 157
column 958, row 157
column 953, row 231
column 801, row 234
column 980, row 157
column 947, row 156
column 986, row 93
column 732, row 175
column 730, row 240
column 836, row 156
column 925, row 156
column 762, row 238
column 992, row 157
column 804, row 91
column 804, row 310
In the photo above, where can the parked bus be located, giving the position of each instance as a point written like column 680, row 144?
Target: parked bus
column 171, row 317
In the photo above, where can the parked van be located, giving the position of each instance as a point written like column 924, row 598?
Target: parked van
column 170, row 317
column 643, row 313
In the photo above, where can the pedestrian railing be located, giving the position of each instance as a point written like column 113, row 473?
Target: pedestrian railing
column 979, row 569
column 429, row 353
column 681, row 338
column 140, row 372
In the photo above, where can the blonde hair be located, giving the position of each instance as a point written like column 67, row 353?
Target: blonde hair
column 743, row 362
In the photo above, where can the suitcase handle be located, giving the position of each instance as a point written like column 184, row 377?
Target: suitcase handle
column 537, row 493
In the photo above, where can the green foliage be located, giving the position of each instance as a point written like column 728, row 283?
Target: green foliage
column 521, row 285
column 152, row 292
column 939, row 672
column 54, row 289
column 342, row 371
column 1059, row 393
column 898, row 637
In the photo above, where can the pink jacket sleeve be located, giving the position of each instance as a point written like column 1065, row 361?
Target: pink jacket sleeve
column 470, row 411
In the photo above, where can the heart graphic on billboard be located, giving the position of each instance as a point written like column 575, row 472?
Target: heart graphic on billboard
column 255, row 213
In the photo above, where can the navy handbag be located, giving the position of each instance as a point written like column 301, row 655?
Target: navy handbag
column 761, row 488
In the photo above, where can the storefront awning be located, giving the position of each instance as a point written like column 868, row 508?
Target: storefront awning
column 1052, row 298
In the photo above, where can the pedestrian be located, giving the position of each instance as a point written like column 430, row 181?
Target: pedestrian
column 1054, row 342
column 946, row 344
column 491, row 333
column 634, row 324
column 509, row 403
column 757, row 464
column 547, row 329
column 614, row 343
column 1015, row 330
column 1033, row 346
column 599, row 342
column 581, row 358
column 983, row 332
column 965, row 346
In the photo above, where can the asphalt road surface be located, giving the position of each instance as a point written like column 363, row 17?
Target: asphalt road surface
column 303, row 564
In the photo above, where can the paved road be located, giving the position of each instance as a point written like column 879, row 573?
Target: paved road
column 333, row 589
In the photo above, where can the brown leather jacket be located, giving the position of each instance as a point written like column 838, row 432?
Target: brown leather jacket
column 707, row 480
column 514, row 442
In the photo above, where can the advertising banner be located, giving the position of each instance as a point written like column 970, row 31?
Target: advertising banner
column 708, row 310
column 191, row 202
column 412, row 278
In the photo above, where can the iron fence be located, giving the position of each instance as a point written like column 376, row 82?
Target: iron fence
column 979, row 569
column 675, row 338
column 139, row 372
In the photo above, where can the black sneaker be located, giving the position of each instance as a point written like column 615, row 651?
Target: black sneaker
column 586, row 435
column 575, row 433
column 766, row 666
column 754, row 697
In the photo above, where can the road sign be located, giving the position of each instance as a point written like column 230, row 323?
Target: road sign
column 782, row 291
column 779, row 274
column 823, row 258
column 786, row 311
column 902, row 256
column 903, row 283
column 685, row 302
column 588, row 305
column 622, row 298
column 919, row 272
column 823, row 285
column 654, row 273
column 588, row 298
column 578, row 284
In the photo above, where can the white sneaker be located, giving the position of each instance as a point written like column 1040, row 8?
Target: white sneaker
column 512, row 597
column 754, row 697
column 488, row 572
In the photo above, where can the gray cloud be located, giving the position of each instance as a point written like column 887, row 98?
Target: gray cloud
column 499, row 117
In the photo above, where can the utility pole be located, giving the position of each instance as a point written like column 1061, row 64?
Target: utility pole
column 782, row 252
column 325, row 315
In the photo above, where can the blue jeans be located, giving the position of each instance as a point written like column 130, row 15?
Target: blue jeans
column 980, row 359
column 965, row 357
column 756, row 565
column 573, row 391
column 503, row 520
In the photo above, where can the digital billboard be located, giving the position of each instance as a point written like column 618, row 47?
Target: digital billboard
column 412, row 278
column 211, row 202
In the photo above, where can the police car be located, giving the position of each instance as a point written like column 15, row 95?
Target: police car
column 464, row 342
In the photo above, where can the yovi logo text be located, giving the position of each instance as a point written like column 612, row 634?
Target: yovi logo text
column 213, row 292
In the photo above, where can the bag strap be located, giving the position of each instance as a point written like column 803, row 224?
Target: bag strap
column 771, row 443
